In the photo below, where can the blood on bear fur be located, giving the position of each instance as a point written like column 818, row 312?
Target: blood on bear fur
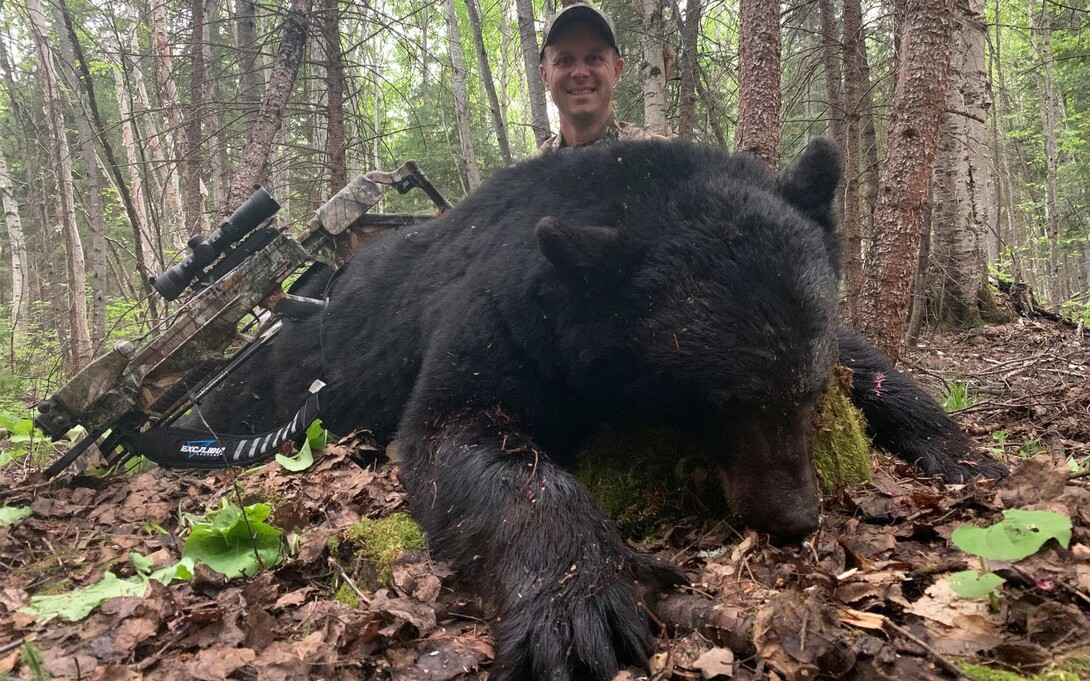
column 648, row 282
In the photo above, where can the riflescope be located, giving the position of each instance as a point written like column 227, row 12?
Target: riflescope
column 203, row 252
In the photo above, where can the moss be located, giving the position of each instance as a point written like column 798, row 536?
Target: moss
column 841, row 445
column 382, row 541
column 347, row 596
column 982, row 673
column 643, row 477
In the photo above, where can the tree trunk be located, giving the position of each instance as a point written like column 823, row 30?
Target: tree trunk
column 653, row 68
column 144, row 251
column 329, row 20
column 194, row 187
column 758, row 130
column 249, row 75
column 60, row 159
column 17, row 242
column 539, row 116
column 918, row 103
column 489, row 83
column 869, row 142
column 262, row 134
column 832, row 53
column 689, row 28
column 95, row 211
column 852, row 106
column 959, row 209
column 461, row 101
column 1041, row 41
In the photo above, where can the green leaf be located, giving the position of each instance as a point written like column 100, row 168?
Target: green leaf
column 225, row 543
column 78, row 604
column 35, row 662
column 180, row 571
column 1019, row 534
column 9, row 515
column 141, row 563
column 315, row 443
column 973, row 584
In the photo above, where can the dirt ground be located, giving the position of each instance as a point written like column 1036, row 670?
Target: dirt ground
column 866, row 598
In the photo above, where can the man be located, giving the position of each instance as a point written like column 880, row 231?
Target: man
column 580, row 66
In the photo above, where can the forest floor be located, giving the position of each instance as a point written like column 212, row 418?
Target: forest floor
column 866, row 598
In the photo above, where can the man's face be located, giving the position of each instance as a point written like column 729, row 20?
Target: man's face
column 580, row 70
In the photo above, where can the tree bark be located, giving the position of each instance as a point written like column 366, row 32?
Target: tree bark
column 758, row 130
column 960, row 212
column 852, row 106
column 262, row 134
column 145, row 254
column 689, row 28
column 17, row 243
column 489, row 83
column 96, row 218
column 60, row 159
column 539, row 116
column 831, row 56
column 248, row 67
column 1041, row 41
column 194, row 187
column 461, row 101
column 918, row 103
column 329, row 20
column 653, row 67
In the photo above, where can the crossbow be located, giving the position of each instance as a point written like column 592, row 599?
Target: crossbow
column 127, row 399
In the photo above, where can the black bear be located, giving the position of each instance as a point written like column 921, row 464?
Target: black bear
column 652, row 282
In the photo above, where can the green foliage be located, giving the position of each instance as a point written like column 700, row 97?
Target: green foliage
column 317, row 436
column 1076, row 311
column 233, row 542
column 1000, row 437
column 982, row 673
column 958, row 395
column 9, row 515
column 77, row 604
column 1020, row 534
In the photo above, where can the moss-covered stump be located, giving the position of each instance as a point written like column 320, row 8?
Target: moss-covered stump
column 644, row 477
column 368, row 549
column 841, row 445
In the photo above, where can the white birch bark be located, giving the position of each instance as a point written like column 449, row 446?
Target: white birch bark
column 461, row 100
column 14, row 226
column 60, row 159
column 653, row 67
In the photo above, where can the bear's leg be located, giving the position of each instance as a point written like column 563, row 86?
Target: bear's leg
column 527, row 537
column 905, row 421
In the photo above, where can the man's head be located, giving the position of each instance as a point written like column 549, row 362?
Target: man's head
column 580, row 66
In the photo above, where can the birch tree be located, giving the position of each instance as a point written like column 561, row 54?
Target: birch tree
column 531, row 51
column 17, row 244
column 60, row 159
column 461, row 101
column 489, row 83
column 653, row 66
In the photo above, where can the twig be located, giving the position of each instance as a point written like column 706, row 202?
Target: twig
column 11, row 645
column 348, row 580
column 1062, row 584
column 931, row 652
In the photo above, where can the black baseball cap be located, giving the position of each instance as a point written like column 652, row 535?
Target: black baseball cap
column 578, row 12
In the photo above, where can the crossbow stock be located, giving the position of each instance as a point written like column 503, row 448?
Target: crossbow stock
column 127, row 399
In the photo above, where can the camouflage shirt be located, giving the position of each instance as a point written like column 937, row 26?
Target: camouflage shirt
column 615, row 130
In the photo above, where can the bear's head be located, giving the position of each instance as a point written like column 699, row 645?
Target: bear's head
column 723, row 283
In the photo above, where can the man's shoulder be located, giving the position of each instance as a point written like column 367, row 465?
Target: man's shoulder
column 616, row 130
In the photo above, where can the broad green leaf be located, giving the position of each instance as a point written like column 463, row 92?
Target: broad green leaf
column 140, row 562
column 180, row 571
column 6, row 458
column 973, row 584
column 9, row 515
column 1019, row 534
column 75, row 605
column 225, row 544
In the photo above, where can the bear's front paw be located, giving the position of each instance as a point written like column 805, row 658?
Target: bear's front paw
column 580, row 630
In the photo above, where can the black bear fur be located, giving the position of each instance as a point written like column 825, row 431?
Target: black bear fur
column 652, row 282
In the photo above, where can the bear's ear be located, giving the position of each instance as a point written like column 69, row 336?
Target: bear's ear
column 588, row 253
column 809, row 183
